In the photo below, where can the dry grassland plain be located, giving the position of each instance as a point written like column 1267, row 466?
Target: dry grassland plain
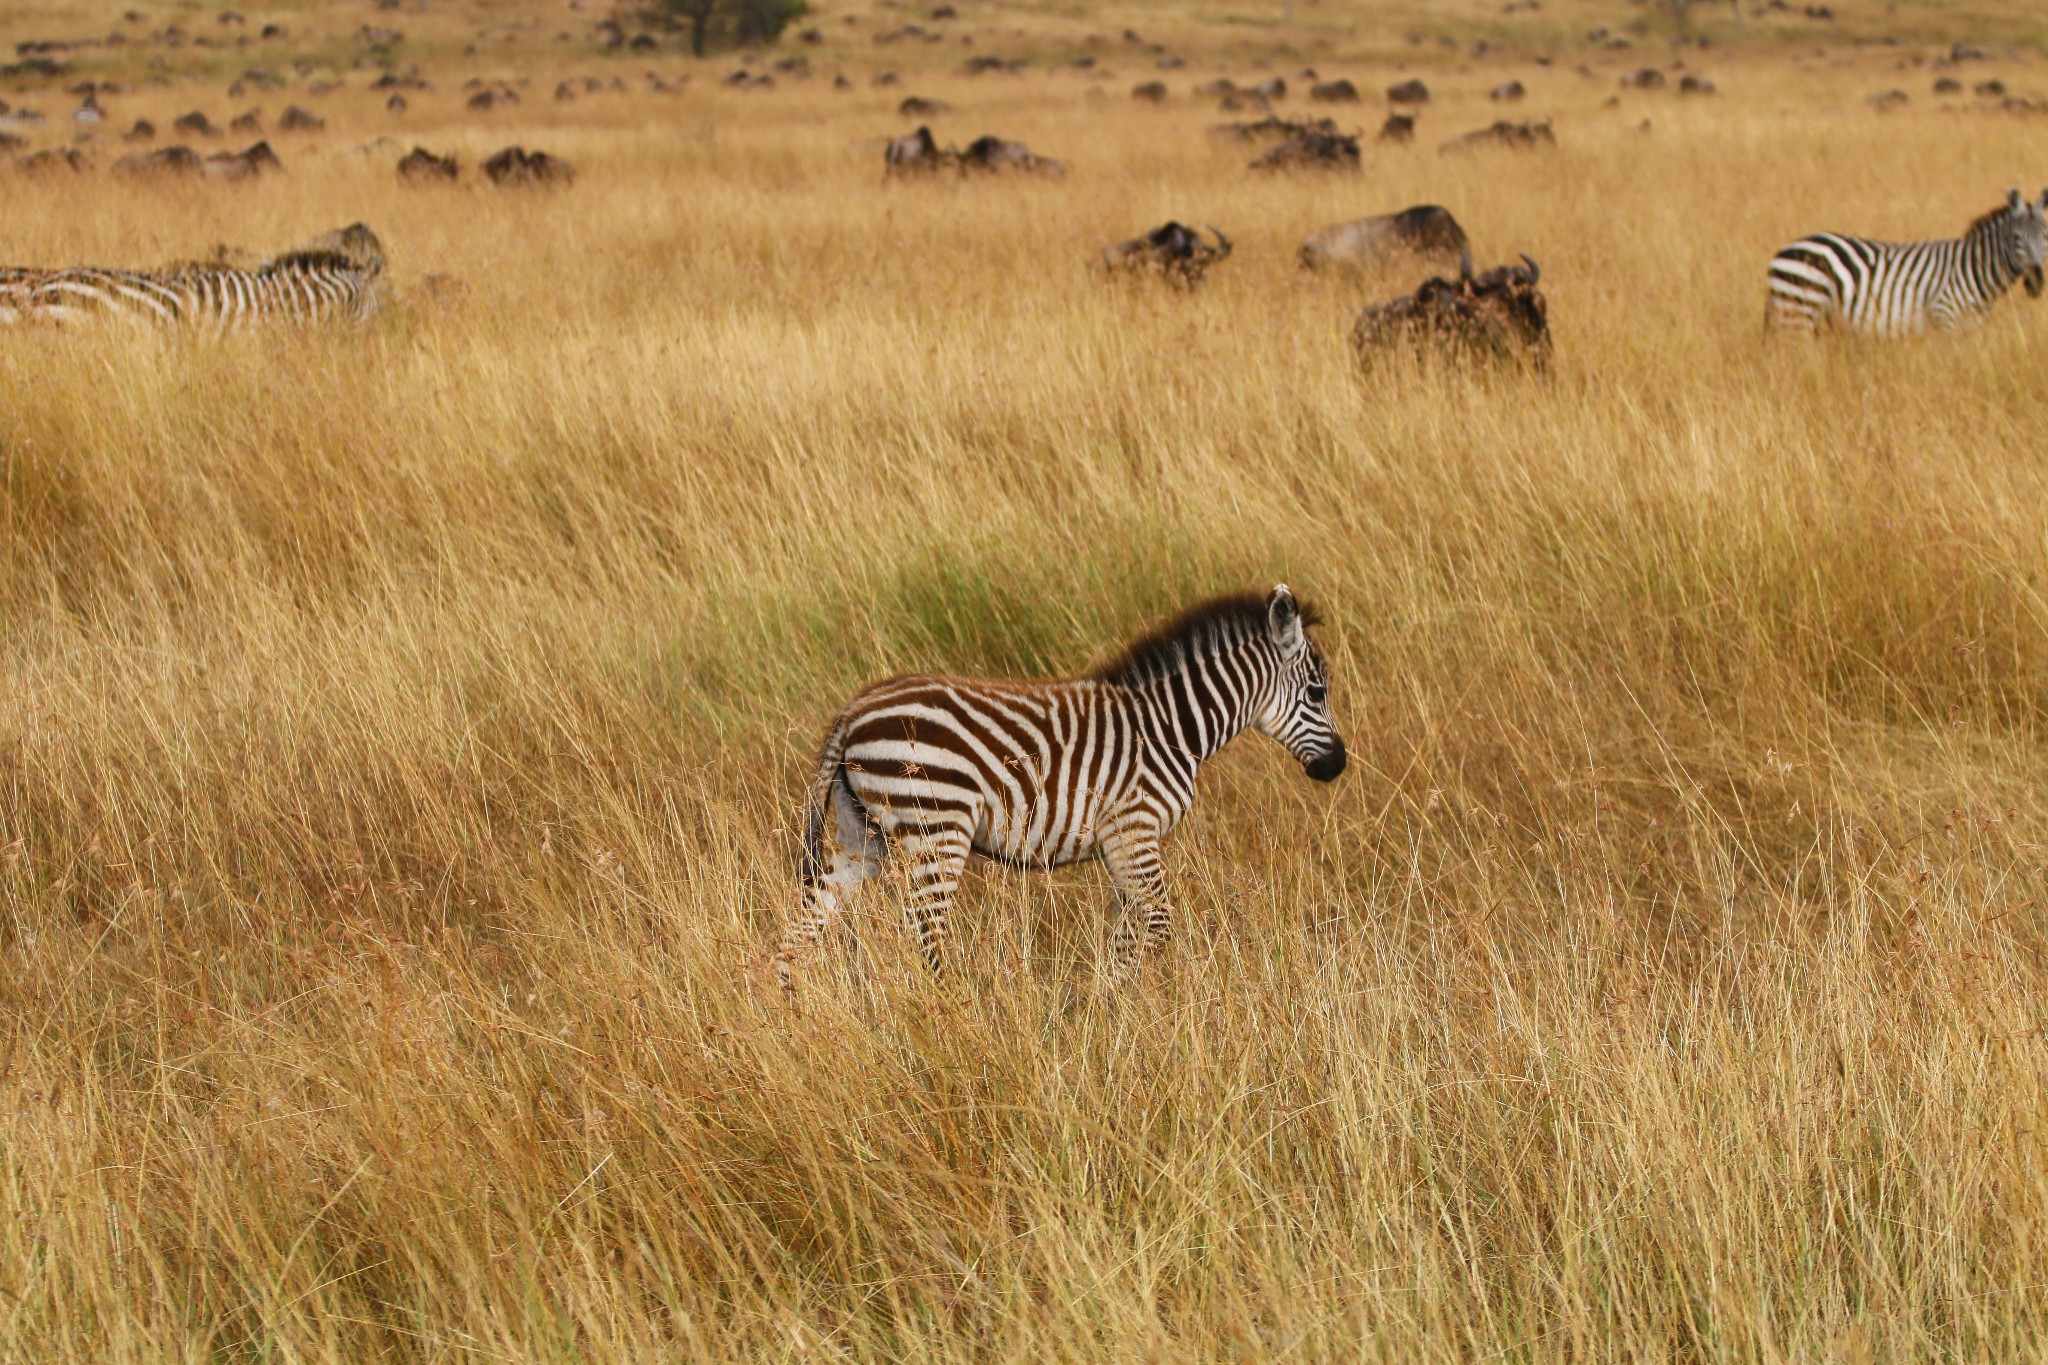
column 402, row 732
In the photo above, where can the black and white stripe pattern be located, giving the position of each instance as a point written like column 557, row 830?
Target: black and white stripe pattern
column 1892, row 289
column 1042, row 774
column 337, row 277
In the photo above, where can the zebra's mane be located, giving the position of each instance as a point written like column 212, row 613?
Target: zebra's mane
column 1984, row 221
column 321, row 260
column 1165, row 649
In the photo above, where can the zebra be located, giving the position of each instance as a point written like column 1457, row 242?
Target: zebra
column 1891, row 289
column 337, row 276
column 1041, row 774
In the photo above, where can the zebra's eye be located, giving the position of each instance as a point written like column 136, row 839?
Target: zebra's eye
column 1318, row 693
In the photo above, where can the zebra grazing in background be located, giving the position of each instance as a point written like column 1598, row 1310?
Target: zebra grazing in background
column 1042, row 774
column 336, row 276
column 1892, row 289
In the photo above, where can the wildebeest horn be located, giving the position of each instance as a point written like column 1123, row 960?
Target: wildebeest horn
column 1465, row 265
column 1222, row 242
column 1535, row 271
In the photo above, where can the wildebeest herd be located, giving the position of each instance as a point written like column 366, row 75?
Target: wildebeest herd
column 1826, row 281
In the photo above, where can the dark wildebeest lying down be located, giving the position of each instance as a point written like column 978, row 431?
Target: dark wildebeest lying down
column 517, row 166
column 420, row 166
column 1311, row 151
column 1273, row 128
column 1499, row 315
column 1426, row 232
column 1502, row 133
column 992, row 153
column 1172, row 250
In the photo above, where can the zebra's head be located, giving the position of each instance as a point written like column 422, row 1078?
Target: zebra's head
column 2025, row 239
column 1297, row 706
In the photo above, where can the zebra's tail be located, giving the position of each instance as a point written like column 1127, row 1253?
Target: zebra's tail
column 831, row 776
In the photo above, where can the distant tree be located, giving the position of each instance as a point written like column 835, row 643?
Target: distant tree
column 714, row 24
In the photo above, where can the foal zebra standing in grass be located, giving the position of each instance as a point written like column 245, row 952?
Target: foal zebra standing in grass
column 1042, row 774
column 338, row 276
column 1891, row 289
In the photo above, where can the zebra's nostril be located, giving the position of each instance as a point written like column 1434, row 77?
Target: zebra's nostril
column 1324, row 767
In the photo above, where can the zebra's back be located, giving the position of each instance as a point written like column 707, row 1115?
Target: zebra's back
column 338, row 277
column 1035, row 768
column 1831, row 279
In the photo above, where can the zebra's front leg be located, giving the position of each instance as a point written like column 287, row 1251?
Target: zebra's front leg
column 1134, row 867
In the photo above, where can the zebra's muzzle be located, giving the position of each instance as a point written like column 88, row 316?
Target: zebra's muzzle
column 1325, row 767
column 2031, row 278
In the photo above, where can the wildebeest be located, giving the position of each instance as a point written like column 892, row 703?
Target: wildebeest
column 178, row 160
column 1398, row 128
column 1500, row 315
column 195, row 124
column 991, row 153
column 254, row 160
column 1272, row 128
column 918, row 153
column 1408, row 92
column 1339, row 91
column 1311, row 151
column 420, row 166
column 1172, row 250
column 1425, row 232
column 298, row 120
column 517, row 166
column 1504, row 134
column 916, row 106
column 52, row 159
column 1152, row 92
column 1507, row 93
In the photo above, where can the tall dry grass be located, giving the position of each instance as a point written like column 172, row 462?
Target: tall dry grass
column 401, row 733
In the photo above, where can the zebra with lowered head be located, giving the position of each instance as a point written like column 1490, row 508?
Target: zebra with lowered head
column 1891, row 289
column 1040, row 774
column 338, row 276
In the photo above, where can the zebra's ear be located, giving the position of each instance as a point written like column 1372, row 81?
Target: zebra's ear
column 1283, row 621
column 2013, row 199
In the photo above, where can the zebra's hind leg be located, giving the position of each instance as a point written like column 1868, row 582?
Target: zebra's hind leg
column 859, row 860
column 824, row 901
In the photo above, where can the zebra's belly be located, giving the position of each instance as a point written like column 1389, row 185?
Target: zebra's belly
column 1041, row 833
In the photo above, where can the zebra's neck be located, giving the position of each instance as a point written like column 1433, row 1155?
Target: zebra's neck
column 1984, row 249
column 1207, row 699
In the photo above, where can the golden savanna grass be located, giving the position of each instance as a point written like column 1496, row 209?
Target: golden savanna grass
column 402, row 733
